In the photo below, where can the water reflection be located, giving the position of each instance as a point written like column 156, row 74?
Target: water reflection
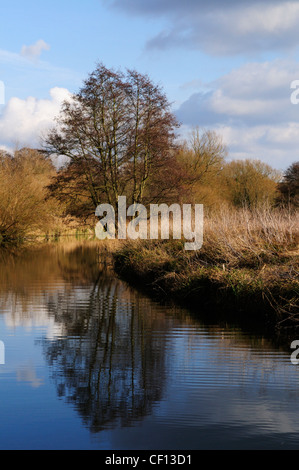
column 105, row 364
column 102, row 354
column 152, row 376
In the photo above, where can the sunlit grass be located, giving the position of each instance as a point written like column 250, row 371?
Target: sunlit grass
column 247, row 256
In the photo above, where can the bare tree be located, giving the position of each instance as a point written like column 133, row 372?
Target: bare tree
column 202, row 155
column 118, row 131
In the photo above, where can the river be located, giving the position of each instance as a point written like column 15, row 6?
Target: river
column 91, row 363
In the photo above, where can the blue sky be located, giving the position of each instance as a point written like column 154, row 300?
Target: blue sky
column 227, row 68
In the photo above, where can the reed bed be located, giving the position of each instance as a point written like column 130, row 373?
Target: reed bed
column 249, row 260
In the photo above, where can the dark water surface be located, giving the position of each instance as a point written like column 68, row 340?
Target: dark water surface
column 92, row 364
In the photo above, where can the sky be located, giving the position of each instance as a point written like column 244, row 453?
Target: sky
column 226, row 65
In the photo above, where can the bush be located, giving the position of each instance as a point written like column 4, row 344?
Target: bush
column 23, row 205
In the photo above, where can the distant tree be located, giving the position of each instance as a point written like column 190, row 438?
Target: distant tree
column 203, row 154
column 289, row 187
column 117, row 133
column 250, row 183
column 201, row 158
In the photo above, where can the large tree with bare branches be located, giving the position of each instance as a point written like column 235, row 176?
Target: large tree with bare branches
column 117, row 132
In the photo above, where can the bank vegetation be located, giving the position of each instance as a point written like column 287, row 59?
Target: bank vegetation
column 247, row 269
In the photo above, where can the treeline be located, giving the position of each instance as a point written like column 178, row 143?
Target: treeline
column 117, row 136
column 196, row 171
column 36, row 197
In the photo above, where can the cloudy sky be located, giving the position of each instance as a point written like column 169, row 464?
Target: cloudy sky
column 225, row 65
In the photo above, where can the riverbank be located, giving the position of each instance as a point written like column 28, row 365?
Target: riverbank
column 247, row 269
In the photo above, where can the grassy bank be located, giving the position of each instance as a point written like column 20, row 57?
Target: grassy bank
column 248, row 267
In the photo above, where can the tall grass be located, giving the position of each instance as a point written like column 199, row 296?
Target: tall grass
column 243, row 237
column 234, row 238
column 246, row 256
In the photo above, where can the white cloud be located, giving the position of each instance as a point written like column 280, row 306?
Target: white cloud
column 274, row 18
column 34, row 51
column 22, row 75
column 4, row 148
column 221, row 28
column 251, row 107
column 255, row 93
column 276, row 145
column 24, row 121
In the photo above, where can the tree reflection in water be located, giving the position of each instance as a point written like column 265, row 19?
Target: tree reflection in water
column 109, row 363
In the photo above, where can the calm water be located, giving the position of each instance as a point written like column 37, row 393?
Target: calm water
column 92, row 364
